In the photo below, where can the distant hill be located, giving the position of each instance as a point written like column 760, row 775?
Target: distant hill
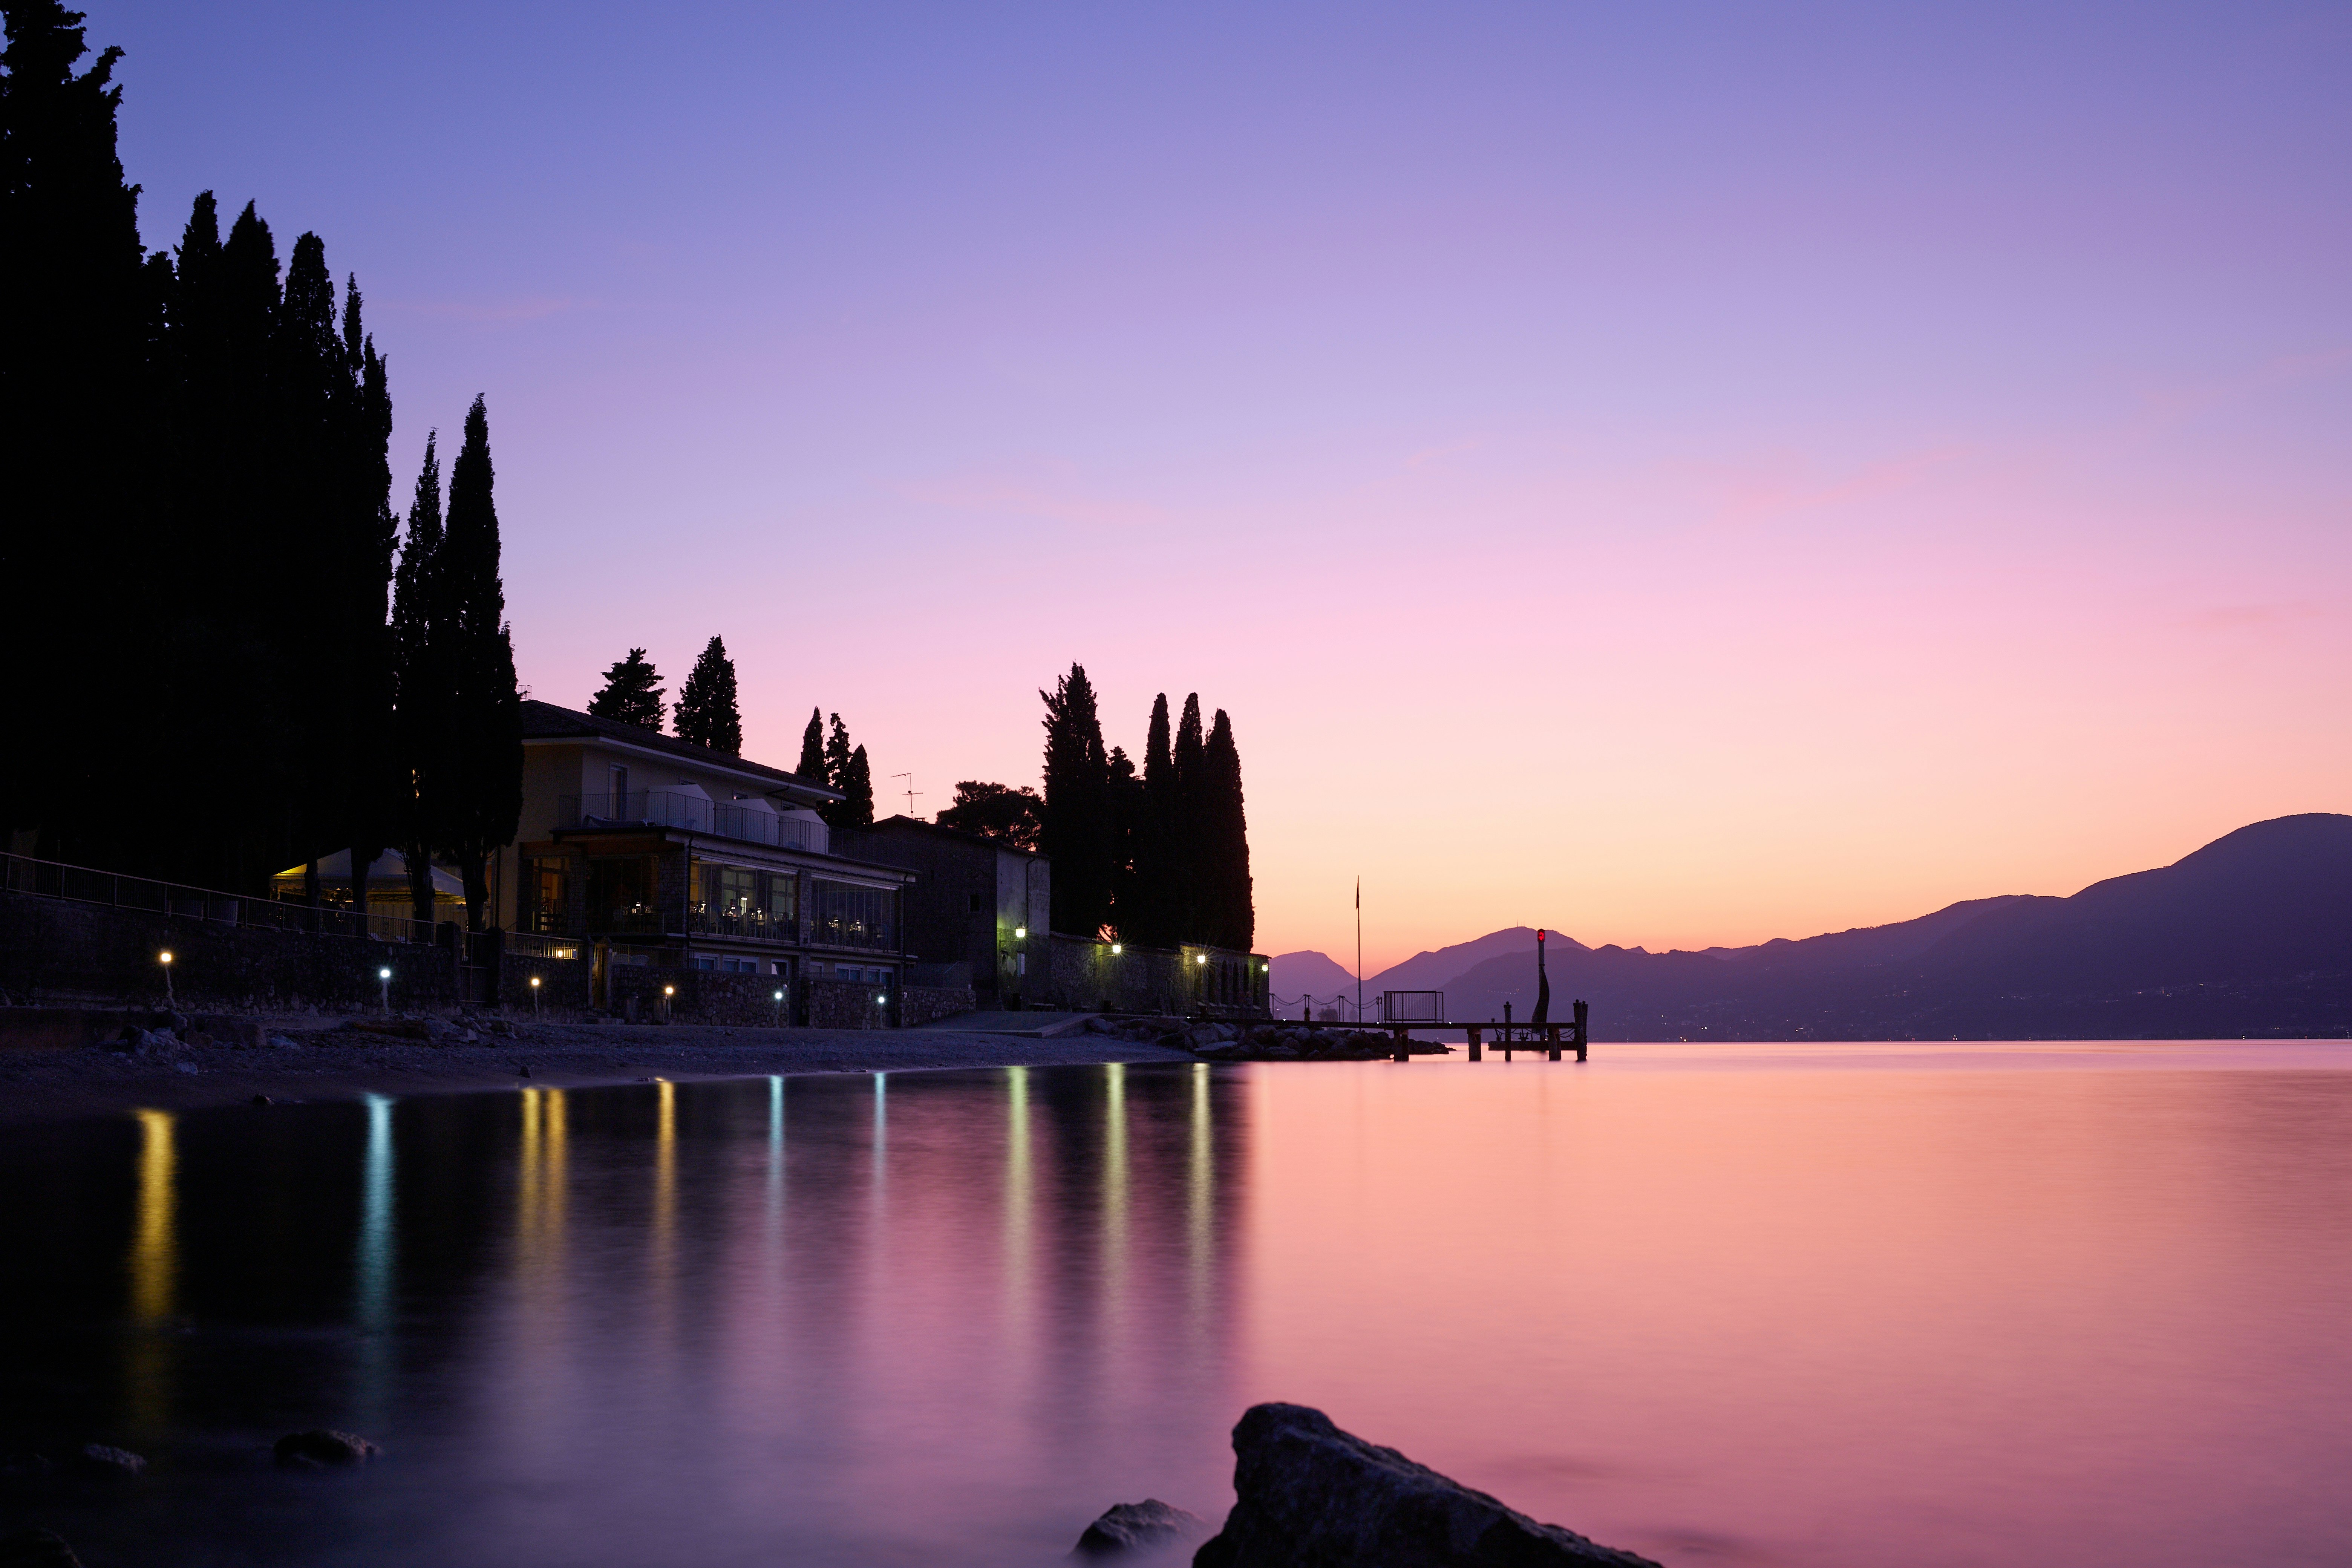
column 2249, row 935
column 1296, row 974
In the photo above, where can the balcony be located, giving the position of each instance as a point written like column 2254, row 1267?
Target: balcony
column 752, row 823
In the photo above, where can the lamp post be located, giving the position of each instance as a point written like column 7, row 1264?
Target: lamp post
column 667, row 992
column 383, row 987
column 780, row 1007
column 534, row 996
column 164, row 958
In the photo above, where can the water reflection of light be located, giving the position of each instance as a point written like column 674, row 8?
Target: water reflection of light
column 664, row 1178
column 1020, row 1197
column 154, row 1257
column 373, row 1289
column 1200, row 1193
column 775, row 1157
column 1114, row 1193
column 155, row 1273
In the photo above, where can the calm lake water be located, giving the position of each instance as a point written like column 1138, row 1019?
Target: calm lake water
column 1766, row 1304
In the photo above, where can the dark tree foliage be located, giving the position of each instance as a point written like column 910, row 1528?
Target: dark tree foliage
column 812, row 763
column 632, row 693
column 705, row 712
column 1124, row 802
column 844, row 767
column 1185, row 826
column 1227, row 916
column 1076, row 834
column 1148, row 916
column 1010, row 816
column 420, row 685
column 485, row 747
column 77, row 313
column 856, row 782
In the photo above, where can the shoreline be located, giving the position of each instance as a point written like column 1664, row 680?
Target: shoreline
column 55, row 1085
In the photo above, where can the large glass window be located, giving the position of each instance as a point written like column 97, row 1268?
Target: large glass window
column 735, row 901
column 845, row 915
column 621, row 893
column 546, row 894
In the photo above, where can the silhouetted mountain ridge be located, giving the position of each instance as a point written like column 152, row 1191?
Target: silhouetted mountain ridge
column 2249, row 935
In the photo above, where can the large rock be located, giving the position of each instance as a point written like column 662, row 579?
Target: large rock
column 320, row 1447
column 1311, row 1496
column 1139, row 1526
column 37, row 1549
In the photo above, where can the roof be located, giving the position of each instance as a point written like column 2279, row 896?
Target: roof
column 903, row 821
column 546, row 722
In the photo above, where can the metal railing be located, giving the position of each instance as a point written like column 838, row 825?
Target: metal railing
column 694, row 814
column 81, row 884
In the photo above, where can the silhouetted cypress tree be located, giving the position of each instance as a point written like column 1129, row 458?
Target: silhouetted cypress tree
column 837, row 752
column 857, row 784
column 1129, row 815
column 1229, row 916
column 301, row 489
column 706, row 704
column 1185, row 834
column 1154, row 896
column 1078, row 832
column 73, row 397
column 632, row 693
column 812, row 763
column 371, row 530
column 420, row 685
column 484, row 801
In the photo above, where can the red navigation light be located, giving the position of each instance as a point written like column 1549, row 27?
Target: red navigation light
column 1539, row 936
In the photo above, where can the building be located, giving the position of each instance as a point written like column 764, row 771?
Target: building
column 660, row 852
column 980, row 906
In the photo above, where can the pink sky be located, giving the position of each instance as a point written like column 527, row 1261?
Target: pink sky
column 1682, row 481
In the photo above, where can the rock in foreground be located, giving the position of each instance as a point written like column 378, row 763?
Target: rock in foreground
column 37, row 1549
column 1311, row 1496
column 1137, row 1526
column 320, row 1447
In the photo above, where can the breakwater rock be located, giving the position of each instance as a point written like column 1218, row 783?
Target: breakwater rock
column 1138, row 1527
column 1312, row 1496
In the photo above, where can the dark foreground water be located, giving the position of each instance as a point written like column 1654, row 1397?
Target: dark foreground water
column 1860, row 1305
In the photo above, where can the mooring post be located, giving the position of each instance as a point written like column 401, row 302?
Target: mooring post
column 1583, row 1033
column 1551, row 1042
column 1476, row 1055
column 1403, row 1046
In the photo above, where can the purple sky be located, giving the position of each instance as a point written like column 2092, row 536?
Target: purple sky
column 1680, row 476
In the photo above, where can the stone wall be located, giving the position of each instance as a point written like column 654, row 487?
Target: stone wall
column 1165, row 982
column 60, row 951
column 748, row 1001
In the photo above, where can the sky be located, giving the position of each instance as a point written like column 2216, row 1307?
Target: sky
column 1679, row 475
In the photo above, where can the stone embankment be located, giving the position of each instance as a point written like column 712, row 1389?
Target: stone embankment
column 1263, row 1042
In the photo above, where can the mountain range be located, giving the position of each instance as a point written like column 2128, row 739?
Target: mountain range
column 2249, row 935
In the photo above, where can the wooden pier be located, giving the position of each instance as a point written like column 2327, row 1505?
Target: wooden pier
column 1508, row 1037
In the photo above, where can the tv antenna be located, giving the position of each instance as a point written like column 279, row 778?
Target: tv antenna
column 911, row 791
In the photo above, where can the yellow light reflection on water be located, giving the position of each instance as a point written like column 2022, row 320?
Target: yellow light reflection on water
column 154, row 1250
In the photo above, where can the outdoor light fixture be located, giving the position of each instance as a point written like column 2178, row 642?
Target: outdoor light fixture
column 669, row 990
column 1201, row 959
column 164, row 958
column 780, row 995
column 1115, row 949
column 384, row 988
column 1019, row 933
column 386, row 973
column 881, row 1001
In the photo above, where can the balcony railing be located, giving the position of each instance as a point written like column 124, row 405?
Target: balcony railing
column 693, row 813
